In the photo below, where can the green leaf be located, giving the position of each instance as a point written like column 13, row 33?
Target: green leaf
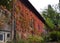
column 50, row 23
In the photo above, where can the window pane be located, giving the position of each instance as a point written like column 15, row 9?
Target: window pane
column 1, row 37
column 8, row 35
column 31, row 23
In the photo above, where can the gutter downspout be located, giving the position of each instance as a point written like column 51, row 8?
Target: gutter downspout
column 14, row 21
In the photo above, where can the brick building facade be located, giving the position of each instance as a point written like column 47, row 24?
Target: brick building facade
column 27, row 22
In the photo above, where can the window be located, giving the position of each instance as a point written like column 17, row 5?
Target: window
column 31, row 23
column 1, row 37
column 38, row 26
column 8, row 35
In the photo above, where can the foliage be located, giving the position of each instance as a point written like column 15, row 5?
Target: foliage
column 5, row 17
column 7, row 3
column 32, row 39
column 52, row 36
column 52, row 17
column 35, row 39
column 50, row 23
column 55, row 35
column 21, row 41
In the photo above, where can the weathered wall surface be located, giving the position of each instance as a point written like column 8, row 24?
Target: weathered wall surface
column 26, row 21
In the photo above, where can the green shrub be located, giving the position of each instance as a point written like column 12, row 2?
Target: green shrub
column 58, row 35
column 35, row 39
column 31, row 39
column 21, row 41
column 54, row 35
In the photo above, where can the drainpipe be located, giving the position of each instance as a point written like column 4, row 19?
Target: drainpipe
column 14, row 21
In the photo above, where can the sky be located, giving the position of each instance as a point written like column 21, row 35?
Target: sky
column 42, row 4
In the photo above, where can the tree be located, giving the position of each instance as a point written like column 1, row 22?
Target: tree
column 7, row 3
column 52, row 17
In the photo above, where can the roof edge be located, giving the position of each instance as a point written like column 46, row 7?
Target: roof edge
column 31, row 8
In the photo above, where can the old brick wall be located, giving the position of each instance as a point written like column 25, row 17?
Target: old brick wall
column 23, row 17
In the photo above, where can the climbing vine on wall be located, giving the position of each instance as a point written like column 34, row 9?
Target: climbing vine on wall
column 5, row 16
